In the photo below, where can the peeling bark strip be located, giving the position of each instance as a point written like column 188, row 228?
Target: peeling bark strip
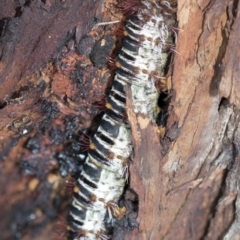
column 140, row 64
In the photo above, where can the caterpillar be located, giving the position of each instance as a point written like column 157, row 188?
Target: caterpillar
column 141, row 63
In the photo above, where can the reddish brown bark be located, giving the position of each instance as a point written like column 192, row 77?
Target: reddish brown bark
column 43, row 109
column 36, row 33
column 196, row 180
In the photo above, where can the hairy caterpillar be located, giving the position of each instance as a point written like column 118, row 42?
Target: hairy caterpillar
column 140, row 64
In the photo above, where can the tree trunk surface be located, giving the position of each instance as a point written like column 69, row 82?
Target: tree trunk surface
column 53, row 64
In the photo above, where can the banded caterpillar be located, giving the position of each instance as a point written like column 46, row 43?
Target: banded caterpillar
column 140, row 64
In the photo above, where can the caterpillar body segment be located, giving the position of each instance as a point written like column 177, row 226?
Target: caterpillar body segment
column 146, row 49
column 101, row 182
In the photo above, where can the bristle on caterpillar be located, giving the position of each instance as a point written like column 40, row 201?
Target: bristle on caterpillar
column 71, row 186
column 86, row 143
column 120, row 31
column 112, row 62
column 129, row 7
column 100, row 102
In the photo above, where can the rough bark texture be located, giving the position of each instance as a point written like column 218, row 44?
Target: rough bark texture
column 187, row 183
column 197, row 193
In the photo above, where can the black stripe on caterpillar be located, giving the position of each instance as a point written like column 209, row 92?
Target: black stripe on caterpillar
column 140, row 63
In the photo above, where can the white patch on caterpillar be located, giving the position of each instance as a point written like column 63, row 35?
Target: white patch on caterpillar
column 109, row 189
column 151, row 58
column 109, row 186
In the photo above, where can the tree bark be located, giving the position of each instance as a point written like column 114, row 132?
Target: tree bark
column 187, row 183
column 191, row 192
